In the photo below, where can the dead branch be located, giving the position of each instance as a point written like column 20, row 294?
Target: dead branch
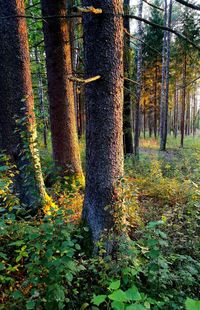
column 84, row 81
column 153, row 5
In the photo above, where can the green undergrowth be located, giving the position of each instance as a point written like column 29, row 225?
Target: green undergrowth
column 44, row 262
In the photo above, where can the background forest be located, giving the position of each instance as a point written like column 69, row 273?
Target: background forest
column 99, row 154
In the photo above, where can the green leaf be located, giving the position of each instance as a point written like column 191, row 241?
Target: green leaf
column 84, row 306
column 117, row 305
column 133, row 294
column 154, row 224
column 114, row 285
column 99, row 299
column 17, row 295
column 30, row 305
column 192, row 304
column 118, row 295
column 2, row 267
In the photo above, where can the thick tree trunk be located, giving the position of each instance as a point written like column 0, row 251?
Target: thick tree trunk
column 60, row 89
column 17, row 119
column 103, row 44
column 183, row 99
column 138, row 90
column 127, row 114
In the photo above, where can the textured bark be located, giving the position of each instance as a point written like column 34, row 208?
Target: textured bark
column 103, row 52
column 138, row 90
column 127, row 113
column 17, row 119
column 183, row 99
column 60, row 89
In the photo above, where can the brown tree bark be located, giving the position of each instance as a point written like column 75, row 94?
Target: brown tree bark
column 17, row 119
column 127, row 113
column 60, row 89
column 103, row 50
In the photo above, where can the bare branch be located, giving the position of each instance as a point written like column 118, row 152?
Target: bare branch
column 84, row 81
column 132, row 81
column 133, row 37
column 32, row 6
column 188, row 84
column 179, row 34
column 153, row 5
column 190, row 5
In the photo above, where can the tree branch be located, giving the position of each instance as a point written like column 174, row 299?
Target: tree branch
column 153, row 5
column 84, row 81
column 179, row 34
column 132, row 81
column 133, row 37
column 190, row 5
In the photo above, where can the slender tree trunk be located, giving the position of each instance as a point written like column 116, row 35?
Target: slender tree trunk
column 103, row 35
column 127, row 119
column 194, row 116
column 41, row 97
column 165, row 83
column 150, row 122
column 155, row 101
column 176, row 112
column 138, row 90
column 60, row 89
column 144, row 127
column 17, row 119
column 183, row 99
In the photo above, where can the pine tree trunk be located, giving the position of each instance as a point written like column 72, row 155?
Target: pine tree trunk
column 138, row 90
column 60, row 89
column 17, row 119
column 127, row 113
column 103, row 51
column 183, row 100
column 165, row 80
column 155, row 101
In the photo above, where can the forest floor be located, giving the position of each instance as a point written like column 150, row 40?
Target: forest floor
column 45, row 262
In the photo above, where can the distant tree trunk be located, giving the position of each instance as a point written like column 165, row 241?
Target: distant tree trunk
column 155, row 101
column 103, row 35
column 194, row 117
column 183, row 99
column 175, row 112
column 187, row 125
column 165, row 83
column 41, row 97
column 17, row 119
column 138, row 90
column 150, row 122
column 144, row 126
column 127, row 115
column 60, row 89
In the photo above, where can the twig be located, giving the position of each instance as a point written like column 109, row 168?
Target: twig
column 84, row 81
column 132, row 81
column 190, row 5
column 153, row 5
column 133, row 37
